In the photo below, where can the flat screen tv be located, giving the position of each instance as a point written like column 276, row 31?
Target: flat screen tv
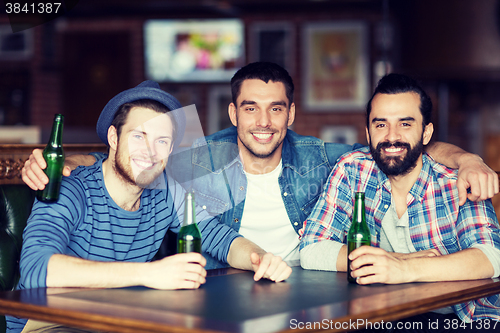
column 193, row 50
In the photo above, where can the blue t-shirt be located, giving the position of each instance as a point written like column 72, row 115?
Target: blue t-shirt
column 85, row 222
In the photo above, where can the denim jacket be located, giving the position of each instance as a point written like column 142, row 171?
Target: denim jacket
column 213, row 169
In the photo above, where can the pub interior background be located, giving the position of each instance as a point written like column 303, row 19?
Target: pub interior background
column 74, row 64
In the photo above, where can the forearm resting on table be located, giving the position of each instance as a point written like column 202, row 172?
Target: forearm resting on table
column 326, row 255
column 468, row 264
column 244, row 254
column 67, row 271
column 240, row 251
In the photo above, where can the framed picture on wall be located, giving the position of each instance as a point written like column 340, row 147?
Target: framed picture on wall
column 335, row 68
column 273, row 42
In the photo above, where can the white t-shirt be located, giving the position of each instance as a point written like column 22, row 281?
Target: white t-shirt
column 265, row 220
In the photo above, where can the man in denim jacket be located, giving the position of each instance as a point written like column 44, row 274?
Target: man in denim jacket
column 263, row 179
column 221, row 183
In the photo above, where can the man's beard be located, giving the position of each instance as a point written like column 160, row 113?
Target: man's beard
column 397, row 166
column 124, row 170
column 266, row 155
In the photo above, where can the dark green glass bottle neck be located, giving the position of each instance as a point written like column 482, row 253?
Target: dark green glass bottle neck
column 57, row 131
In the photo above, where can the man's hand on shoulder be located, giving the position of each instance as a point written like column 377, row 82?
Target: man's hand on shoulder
column 473, row 173
column 270, row 267
column 34, row 176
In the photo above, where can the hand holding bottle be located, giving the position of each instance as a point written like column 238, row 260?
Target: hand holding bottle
column 189, row 237
column 53, row 155
column 180, row 271
column 359, row 233
column 375, row 265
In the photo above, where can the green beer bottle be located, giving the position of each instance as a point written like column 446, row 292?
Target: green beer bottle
column 189, row 237
column 54, row 156
column 359, row 233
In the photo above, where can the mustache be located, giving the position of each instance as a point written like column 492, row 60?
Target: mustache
column 261, row 129
column 396, row 144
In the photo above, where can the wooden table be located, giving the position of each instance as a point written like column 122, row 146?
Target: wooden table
column 231, row 301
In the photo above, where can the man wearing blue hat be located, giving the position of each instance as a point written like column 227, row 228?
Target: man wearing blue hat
column 108, row 224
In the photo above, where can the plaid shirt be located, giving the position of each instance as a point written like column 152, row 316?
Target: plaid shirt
column 436, row 221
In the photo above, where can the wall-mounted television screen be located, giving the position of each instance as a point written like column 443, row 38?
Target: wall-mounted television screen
column 193, row 50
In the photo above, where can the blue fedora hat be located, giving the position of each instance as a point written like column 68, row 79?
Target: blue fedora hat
column 145, row 90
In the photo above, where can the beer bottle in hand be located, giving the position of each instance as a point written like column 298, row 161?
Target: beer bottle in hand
column 359, row 233
column 54, row 156
column 189, row 237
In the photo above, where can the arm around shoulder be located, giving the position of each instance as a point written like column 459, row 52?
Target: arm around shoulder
column 473, row 173
column 34, row 176
column 74, row 161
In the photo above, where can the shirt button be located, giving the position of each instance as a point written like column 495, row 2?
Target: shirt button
column 296, row 223
column 386, row 206
column 236, row 220
column 204, row 207
column 285, row 194
column 241, row 188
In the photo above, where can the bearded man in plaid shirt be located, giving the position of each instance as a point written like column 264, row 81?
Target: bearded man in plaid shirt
column 419, row 231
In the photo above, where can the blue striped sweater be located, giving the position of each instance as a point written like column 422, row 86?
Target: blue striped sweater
column 85, row 222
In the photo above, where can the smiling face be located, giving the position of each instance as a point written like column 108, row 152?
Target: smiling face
column 395, row 132
column 262, row 115
column 144, row 145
